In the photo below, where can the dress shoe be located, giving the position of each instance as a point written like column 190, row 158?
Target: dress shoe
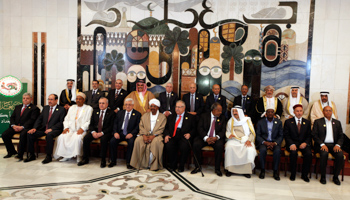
column 305, row 178
column 323, row 180
column 247, row 175
column 20, row 158
column 262, row 174
column 112, row 164
column 292, row 177
column 218, row 172
column 228, row 174
column 103, row 163
column 196, row 170
column 336, row 180
column 8, row 156
column 83, row 162
column 276, row 176
column 181, row 169
column 31, row 158
column 128, row 166
column 47, row 160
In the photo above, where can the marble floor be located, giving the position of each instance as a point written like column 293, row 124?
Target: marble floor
column 65, row 180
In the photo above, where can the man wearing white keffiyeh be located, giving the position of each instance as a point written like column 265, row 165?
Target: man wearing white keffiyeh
column 240, row 149
column 294, row 99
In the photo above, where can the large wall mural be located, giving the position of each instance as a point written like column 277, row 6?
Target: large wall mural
column 258, row 48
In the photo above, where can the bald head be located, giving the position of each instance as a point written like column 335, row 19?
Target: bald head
column 169, row 87
column 216, row 89
column 327, row 112
column 193, row 88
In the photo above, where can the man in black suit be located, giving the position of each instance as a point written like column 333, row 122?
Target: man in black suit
column 22, row 120
column 168, row 100
column 194, row 102
column 125, row 128
column 297, row 133
column 116, row 96
column 100, row 127
column 328, row 136
column 216, row 97
column 245, row 101
column 178, row 130
column 269, row 136
column 211, row 132
column 50, row 124
column 93, row 95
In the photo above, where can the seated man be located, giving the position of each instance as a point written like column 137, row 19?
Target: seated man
column 297, row 132
column 49, row 124
column 148, row 147
column 68, row 96
column 211, row 132
column 328, row 136
column 317, row 108
column 101, row 124
column 269, row 136
column 167, row 100
column 21, row 121
column 76, row 123
column 240, row 149
column 179, row 128
column 126, row 128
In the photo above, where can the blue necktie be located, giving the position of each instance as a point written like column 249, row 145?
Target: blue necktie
column 126, row 121
column 216, row 97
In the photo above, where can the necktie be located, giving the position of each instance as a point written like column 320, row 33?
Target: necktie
column 100, row 123
column 216, row 97
column 168, row 102
column 299, row 126
column 192, row 103
column 48, row 119
column 93, row 93
column 212, row 129
column 126, row 121
column 23, row 109
column 70, row 94
column 116, row 94
column 244, row 102
column 176, row 124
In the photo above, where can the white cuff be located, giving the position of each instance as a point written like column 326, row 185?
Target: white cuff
column 321, row 144
column 338, row 145
column 205, row 138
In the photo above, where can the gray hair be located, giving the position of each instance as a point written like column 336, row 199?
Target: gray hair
column 182, row 102
column 103, row 98
column 27, row 94
column 130, row 99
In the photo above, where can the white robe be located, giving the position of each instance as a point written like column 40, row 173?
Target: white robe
column 70, row 144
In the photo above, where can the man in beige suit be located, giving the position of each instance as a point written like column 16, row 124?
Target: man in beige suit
column 148, row 147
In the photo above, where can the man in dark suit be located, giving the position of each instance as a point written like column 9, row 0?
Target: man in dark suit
column 328, row 136
column 297, row 133
column 125, row 128
column 100, row 127
column 216, row 97
column 22, row 120
column 116, row 96
column 168, row 100
column 50, row 124
column 269, row 136
column 178, row 130
column 211, row 132
column 93, row 95
column 245, row 101
column 194, row 102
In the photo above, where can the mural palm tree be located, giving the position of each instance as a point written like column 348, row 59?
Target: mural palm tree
column 232, row 62
column 113, row 61
column 176, row 42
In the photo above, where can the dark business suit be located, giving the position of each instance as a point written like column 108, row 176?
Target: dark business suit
column 93, row 100
column 276, row 136
column 199, row 106
column 178, row 142
column 292, row 136
column 163, row 102
column 319, row 132
column 203, row 129
column 27, row 120
column 55, row 123
column 249, row 106
column 107, row 126
column 133, row 128
column 118, row 102
column 211, row 100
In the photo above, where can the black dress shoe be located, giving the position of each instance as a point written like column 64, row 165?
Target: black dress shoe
column 8, row 155
column 305, row 178
column 83, row 162
column 20, row 158
column 112, row 164
column 48, row 159
column 336, row 180
column 276, row 176
column 247, row 175
column 323, row 180
column 31, row 158
column 196, row 170
column 292, row 177
column 228, row 174
column 128, row 166
column 181, row 169
column 262, row 174
column 103, row 163
column 218, row 172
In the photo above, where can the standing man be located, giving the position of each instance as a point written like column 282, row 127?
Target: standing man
column 269, row 136
column 21, row 121
column 101, row 124
column 294, row 99
column 116, row 96
column 167, row 100
column 49, row 124
column 179, row 129
column 216, row 97
column 211, row 132
column 94, row 95
column 125, row 128
column 69, row 95
column 141, row 97
column 328, row 136
column 245, row 102
column 318, row 106
column 297, row 133
column 194, row 102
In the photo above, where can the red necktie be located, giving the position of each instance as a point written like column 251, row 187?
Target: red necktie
column 50, row 113
column 299, row 126
column 211, row 133
column 176, row 124
column 100, row 123
column 23, row 109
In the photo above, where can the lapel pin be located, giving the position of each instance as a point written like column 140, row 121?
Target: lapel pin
column 248, row 98
column 172, row 94
column 133, row 114
column 121, row 93
column 324, row 125
column 275, row 122
column 186, row 118
column 219, row 98
column 97, row 113
column 304, row 123
column 29, row 107
column 98, row 93
column 333, row 123
column 197, row 98
column 56, row 109
column 218, row 120
column 292, row 122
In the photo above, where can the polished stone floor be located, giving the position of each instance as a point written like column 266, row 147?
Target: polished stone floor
column 65, row 180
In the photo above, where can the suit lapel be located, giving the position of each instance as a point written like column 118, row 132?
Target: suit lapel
column 333, row 130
